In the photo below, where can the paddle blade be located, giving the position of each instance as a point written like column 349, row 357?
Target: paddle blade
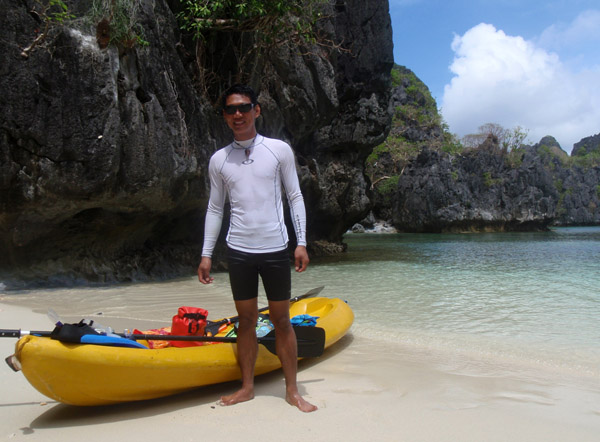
column 313, row 292
column 311, row 341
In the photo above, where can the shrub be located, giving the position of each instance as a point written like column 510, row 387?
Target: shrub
column 116, row 24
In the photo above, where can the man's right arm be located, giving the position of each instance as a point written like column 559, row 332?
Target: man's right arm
column 212, row 222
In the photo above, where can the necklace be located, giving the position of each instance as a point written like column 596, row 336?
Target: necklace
column 247, row 145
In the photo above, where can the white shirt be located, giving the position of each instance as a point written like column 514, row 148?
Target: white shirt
column 251, row 174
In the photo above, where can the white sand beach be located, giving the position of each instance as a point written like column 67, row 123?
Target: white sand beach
column 364, row 392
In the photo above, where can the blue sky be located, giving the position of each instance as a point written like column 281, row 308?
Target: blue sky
column 528, row 63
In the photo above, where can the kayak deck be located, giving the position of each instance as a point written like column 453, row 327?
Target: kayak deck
column 81, row 374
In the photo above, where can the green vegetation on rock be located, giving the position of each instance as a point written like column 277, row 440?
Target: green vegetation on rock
column 585, row 159
column 416, row 123
column 116, row 23
column 52, row 13
column 233, row 39
column 274, row 20
column 489, row 180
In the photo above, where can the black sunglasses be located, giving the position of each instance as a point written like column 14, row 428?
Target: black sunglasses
column 243, row 108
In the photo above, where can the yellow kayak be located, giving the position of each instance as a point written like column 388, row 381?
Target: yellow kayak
column 83, row 374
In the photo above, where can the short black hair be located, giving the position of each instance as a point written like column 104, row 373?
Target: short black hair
column 240, row 89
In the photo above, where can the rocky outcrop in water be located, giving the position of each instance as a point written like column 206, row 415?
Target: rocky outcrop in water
column 474, row 191
column 489, row 189
column 103, row 152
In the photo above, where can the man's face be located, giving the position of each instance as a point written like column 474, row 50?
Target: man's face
column 240, row 122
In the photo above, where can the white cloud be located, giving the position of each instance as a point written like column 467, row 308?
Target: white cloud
column 584, row 30
column 514, row 82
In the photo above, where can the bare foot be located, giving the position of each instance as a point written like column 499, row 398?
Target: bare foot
column 237, row 397
column 298, row 401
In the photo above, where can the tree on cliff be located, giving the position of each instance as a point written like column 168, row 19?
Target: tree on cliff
column 508, row 139
column 49, row 14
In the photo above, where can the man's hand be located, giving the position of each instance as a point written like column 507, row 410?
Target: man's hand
column 204, row 270
column 301, row 258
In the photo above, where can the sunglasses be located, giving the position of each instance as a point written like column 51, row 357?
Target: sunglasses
column 243, row 108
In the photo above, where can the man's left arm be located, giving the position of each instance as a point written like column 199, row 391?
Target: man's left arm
column 297, row 208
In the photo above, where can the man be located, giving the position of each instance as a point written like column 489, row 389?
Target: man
column 252, row 171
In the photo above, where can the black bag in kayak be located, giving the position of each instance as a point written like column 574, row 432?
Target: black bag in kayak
column 73, row 332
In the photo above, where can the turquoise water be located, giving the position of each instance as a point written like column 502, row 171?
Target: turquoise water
column 539, row 286
column 530, row 299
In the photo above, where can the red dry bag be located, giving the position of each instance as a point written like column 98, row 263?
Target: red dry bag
column 189, row 321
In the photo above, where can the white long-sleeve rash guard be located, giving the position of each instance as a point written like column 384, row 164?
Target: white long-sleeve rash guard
column 252, row 174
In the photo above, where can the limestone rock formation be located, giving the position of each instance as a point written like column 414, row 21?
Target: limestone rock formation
column 587, row 145
column 475, row 191
column 103, row 152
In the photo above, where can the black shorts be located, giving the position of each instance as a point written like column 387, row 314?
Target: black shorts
column 274, row 270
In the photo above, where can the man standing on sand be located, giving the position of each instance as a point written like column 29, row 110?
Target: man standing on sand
column 252, row 171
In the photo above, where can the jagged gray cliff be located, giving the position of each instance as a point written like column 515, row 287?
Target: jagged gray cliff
column 477, row 190
column 103, row 152
column 423, row 180
column 587, row 145
column 488, row 189
column 576, row 179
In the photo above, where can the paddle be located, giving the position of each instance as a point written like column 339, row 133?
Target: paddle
column 311, row 340
column 212, row 328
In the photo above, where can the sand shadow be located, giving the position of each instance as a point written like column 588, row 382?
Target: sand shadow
column 62, row 415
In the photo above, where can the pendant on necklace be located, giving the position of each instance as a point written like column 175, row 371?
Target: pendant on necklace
column 248, row 160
